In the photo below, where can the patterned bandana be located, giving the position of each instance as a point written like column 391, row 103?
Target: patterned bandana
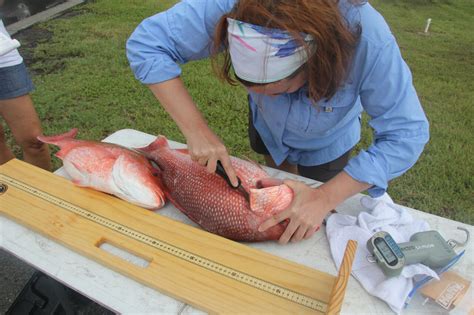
column 265, row 55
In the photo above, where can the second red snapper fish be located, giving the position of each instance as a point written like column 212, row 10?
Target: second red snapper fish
column 109, row 168
column 208, row 200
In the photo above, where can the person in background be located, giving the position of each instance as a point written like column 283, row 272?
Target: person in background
column 17, row 110
column 310, row 68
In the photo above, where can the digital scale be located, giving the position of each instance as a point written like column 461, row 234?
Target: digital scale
column 428, row 248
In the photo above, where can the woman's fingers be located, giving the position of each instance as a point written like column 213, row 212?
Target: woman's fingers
column 292, row 227
column 311, row 232
column 269, row 182
column 229, row 170
column 208, row 158
column 299, row 234
column 274, row 220
column 203, row 161
column 211, row 165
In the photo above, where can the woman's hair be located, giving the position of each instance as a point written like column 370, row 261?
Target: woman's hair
column 335, row 41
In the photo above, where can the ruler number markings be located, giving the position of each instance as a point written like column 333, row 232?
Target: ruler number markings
column 173, row 250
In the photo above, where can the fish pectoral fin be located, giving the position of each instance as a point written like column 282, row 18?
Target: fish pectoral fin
column 78, row 182
column 270, row 199
column 78, row 176
column 184, row 151
column 61, row 154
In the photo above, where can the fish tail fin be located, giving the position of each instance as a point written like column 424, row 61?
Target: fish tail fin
column 71, row 134
column 160, row 142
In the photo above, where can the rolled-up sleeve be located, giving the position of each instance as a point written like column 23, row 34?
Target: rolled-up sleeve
column 400, row 126
column 162, row 42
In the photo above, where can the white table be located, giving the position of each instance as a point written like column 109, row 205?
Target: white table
column 123, row 295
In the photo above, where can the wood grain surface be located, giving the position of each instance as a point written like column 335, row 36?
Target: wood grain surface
column 171, row 275
column 339, row 289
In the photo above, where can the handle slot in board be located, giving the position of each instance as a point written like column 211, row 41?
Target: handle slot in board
column 121, row 251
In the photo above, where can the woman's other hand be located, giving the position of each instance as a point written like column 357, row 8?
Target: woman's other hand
column 305, row 214
column 311, row 205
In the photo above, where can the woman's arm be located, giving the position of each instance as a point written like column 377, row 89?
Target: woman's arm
column 203, row 145
column 162, row 42
column 400, row 126
column 156, row 49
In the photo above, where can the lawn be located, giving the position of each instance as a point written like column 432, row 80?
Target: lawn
column 83, row 80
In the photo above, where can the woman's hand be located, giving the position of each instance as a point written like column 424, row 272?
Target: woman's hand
column 203, row 145
column 311, row 205
column 306, row 212
column 206, row 148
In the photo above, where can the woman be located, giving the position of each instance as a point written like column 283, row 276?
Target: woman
column 16, row 108
column 310, row 68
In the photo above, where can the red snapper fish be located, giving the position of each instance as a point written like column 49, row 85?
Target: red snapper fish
column 109, row 168
column 208, row 200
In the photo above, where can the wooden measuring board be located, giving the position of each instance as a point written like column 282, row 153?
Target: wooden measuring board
column 207, row 271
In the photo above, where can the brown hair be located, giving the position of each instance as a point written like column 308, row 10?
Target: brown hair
column 335, row 41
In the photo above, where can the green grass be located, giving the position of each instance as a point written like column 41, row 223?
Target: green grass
column 442, row 65
column 83, row 80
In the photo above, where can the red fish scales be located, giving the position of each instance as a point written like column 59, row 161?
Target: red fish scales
column 208, row 200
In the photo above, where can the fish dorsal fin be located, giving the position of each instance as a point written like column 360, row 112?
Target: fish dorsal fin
column 71, row 134
column 158, row 143
column 246, row 158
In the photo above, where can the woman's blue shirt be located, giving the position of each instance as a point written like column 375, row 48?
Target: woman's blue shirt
column 291, row 126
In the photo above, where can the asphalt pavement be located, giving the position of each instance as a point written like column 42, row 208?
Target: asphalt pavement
column 19, row 293
column 14, row 274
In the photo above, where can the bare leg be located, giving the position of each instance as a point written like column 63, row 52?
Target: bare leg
column 5, row 153
column 285, row 166
column 20, row 115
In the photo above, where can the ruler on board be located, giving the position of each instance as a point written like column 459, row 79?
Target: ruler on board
column 196, row 267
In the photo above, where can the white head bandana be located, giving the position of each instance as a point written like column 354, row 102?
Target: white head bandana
column 264, row 55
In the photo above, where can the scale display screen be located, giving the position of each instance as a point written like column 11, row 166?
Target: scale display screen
column 386, row 251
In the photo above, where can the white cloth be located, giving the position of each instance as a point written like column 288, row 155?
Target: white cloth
column 11, row 58
column 381, row 215
column 264, row 55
